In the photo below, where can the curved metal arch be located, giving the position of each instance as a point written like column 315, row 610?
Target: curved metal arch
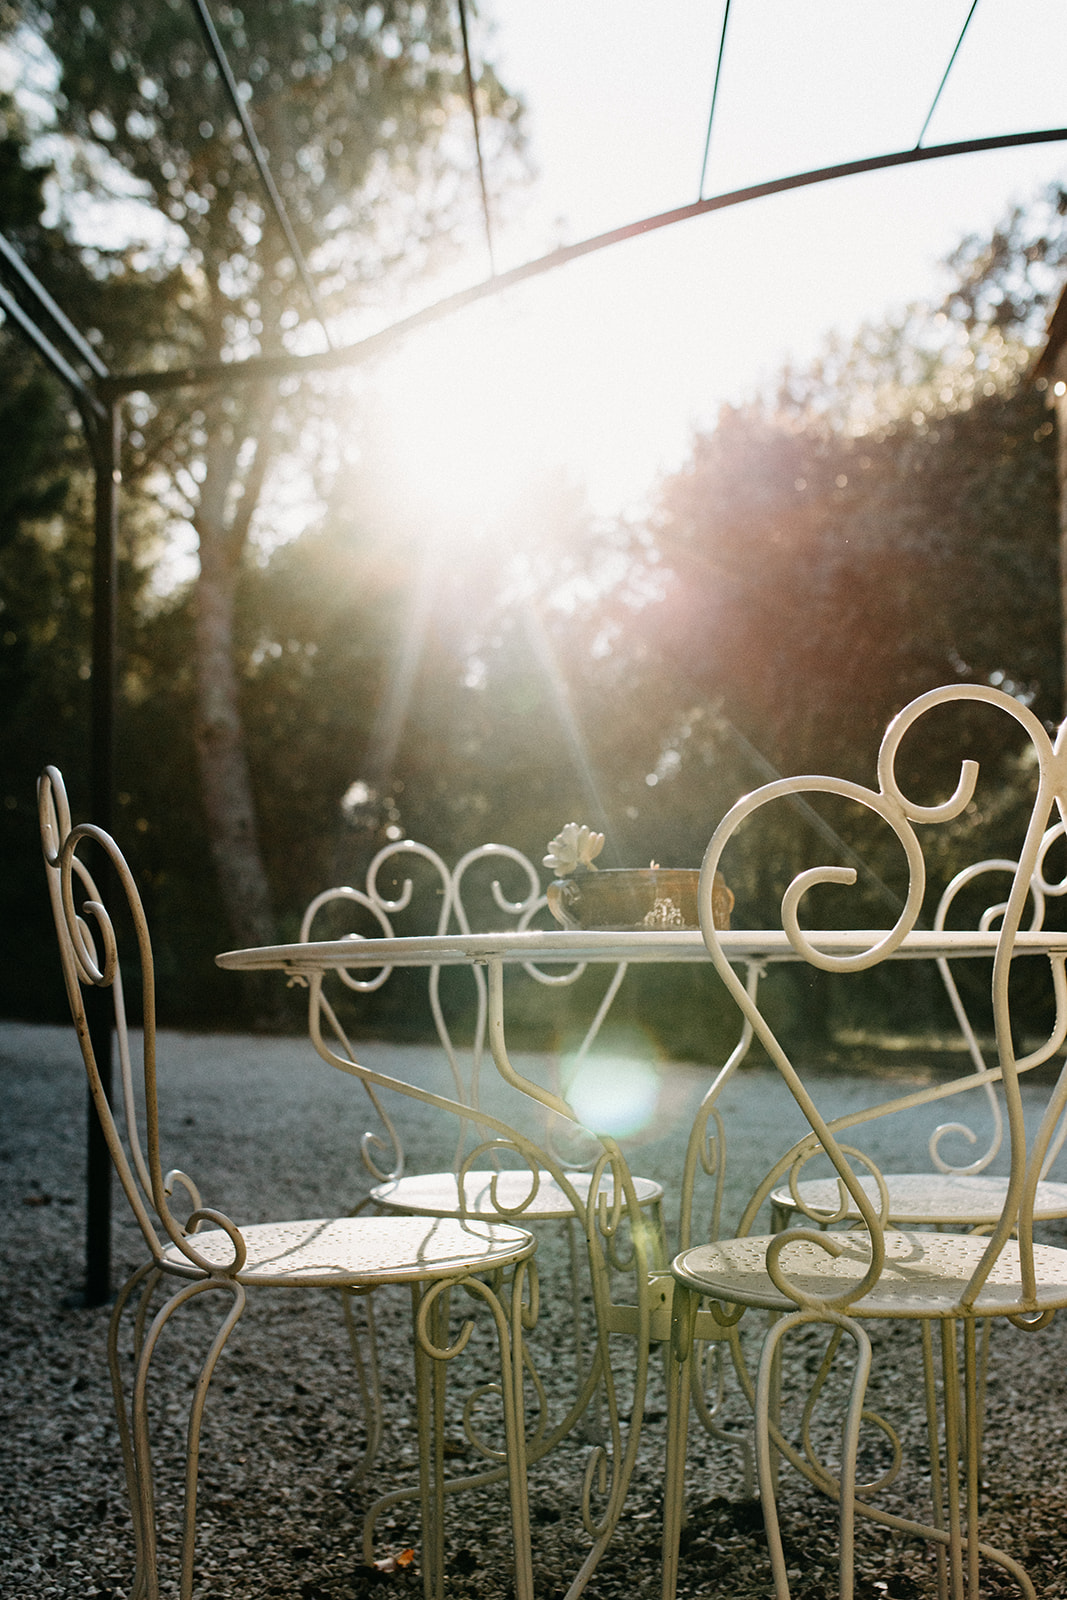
column 259, row 367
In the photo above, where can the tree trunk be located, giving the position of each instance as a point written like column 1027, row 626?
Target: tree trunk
column 225, row 781
column 224, row 776
column 1060, row 403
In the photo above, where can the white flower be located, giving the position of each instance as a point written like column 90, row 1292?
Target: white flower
column 573, row 847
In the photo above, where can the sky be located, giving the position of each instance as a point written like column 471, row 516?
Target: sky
column 604, row 368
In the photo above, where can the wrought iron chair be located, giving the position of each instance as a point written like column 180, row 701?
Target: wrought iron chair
column 949, row 1196
column 955, row 1194
column 599, row 1203
column 437, row 1193
column 847, row 1263
column 195, row 1250
column 488, row 1192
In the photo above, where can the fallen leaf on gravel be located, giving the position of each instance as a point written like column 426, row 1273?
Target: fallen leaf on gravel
column 395, row 1563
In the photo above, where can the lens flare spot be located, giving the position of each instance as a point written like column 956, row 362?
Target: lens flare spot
column 615, row 1095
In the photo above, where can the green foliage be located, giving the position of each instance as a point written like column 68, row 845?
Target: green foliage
column 44, row 654
column 885, row 523
column 1010, row 280
column 817, row 582
column 21, row 180
column 353, row 105
column 167, row 253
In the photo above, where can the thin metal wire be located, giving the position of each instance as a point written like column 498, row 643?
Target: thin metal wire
column 714, row 98
column 477, row 134
column 944, row 79
column 259, row 156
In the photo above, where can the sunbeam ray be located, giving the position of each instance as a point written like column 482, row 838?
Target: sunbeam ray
column 559, row 689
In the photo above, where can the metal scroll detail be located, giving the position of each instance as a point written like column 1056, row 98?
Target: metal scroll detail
column 619, row 1247
column 1042, row 889
column 89, row 954
column 90, row 957
column 847, row 1258
column 904, row 817
column 410, row 883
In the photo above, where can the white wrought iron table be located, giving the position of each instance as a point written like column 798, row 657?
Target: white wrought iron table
column 544, row 952
column 556, row 956
column 560, row 946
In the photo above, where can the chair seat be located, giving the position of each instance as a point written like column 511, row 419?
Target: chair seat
column 364, row 1251
column 924, row 1274
column 436, row 1194
column 923, row 1197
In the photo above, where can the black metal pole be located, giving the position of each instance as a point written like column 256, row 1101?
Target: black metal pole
column 105, row 439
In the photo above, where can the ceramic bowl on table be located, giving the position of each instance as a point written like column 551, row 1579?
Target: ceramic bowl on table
column 627, row 898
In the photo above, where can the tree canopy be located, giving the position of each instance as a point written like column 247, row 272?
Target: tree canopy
column 174, row 256
column 884, row 521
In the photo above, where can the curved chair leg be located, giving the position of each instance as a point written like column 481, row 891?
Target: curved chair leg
column 963, row 1439
column 708, row 1354
column 592, row 1424
column 766, row 1388
column 367, row 1375
column 954, row 1530
column 510, row 1326
column 973, row 1439
column 950, row 1390
column 539, row 1442
column 147, row 1276
column 430, row 1314
column 679, row 1378
column 136, row 1437
column 933, row 1438
column 973, row 1423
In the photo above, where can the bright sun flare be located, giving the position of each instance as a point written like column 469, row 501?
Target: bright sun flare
column 614, row 1095
column 470, row 429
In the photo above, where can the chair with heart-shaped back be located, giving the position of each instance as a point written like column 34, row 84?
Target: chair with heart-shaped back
column 958, row 1194
column 389, row 892
column 612, row 1231
column 445, row 901
column 847, row 1265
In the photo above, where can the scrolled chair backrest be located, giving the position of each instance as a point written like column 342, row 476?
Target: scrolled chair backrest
column 982, row 876
column 433, row 905
column 90, row 957
column 1028, row 883
column 619, row 1243
column 408, row 888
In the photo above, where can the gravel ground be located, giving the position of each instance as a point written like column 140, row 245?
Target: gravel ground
column 267, row 1130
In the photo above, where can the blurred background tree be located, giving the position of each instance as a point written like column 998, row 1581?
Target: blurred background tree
column 177, row 259
column 879, row 523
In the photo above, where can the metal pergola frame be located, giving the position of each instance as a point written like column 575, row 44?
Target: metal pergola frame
column 100, row 394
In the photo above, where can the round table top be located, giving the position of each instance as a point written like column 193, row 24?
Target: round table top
column 560, row 946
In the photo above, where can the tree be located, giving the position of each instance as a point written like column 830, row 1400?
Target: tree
column 883, row 523
column 186, row 263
